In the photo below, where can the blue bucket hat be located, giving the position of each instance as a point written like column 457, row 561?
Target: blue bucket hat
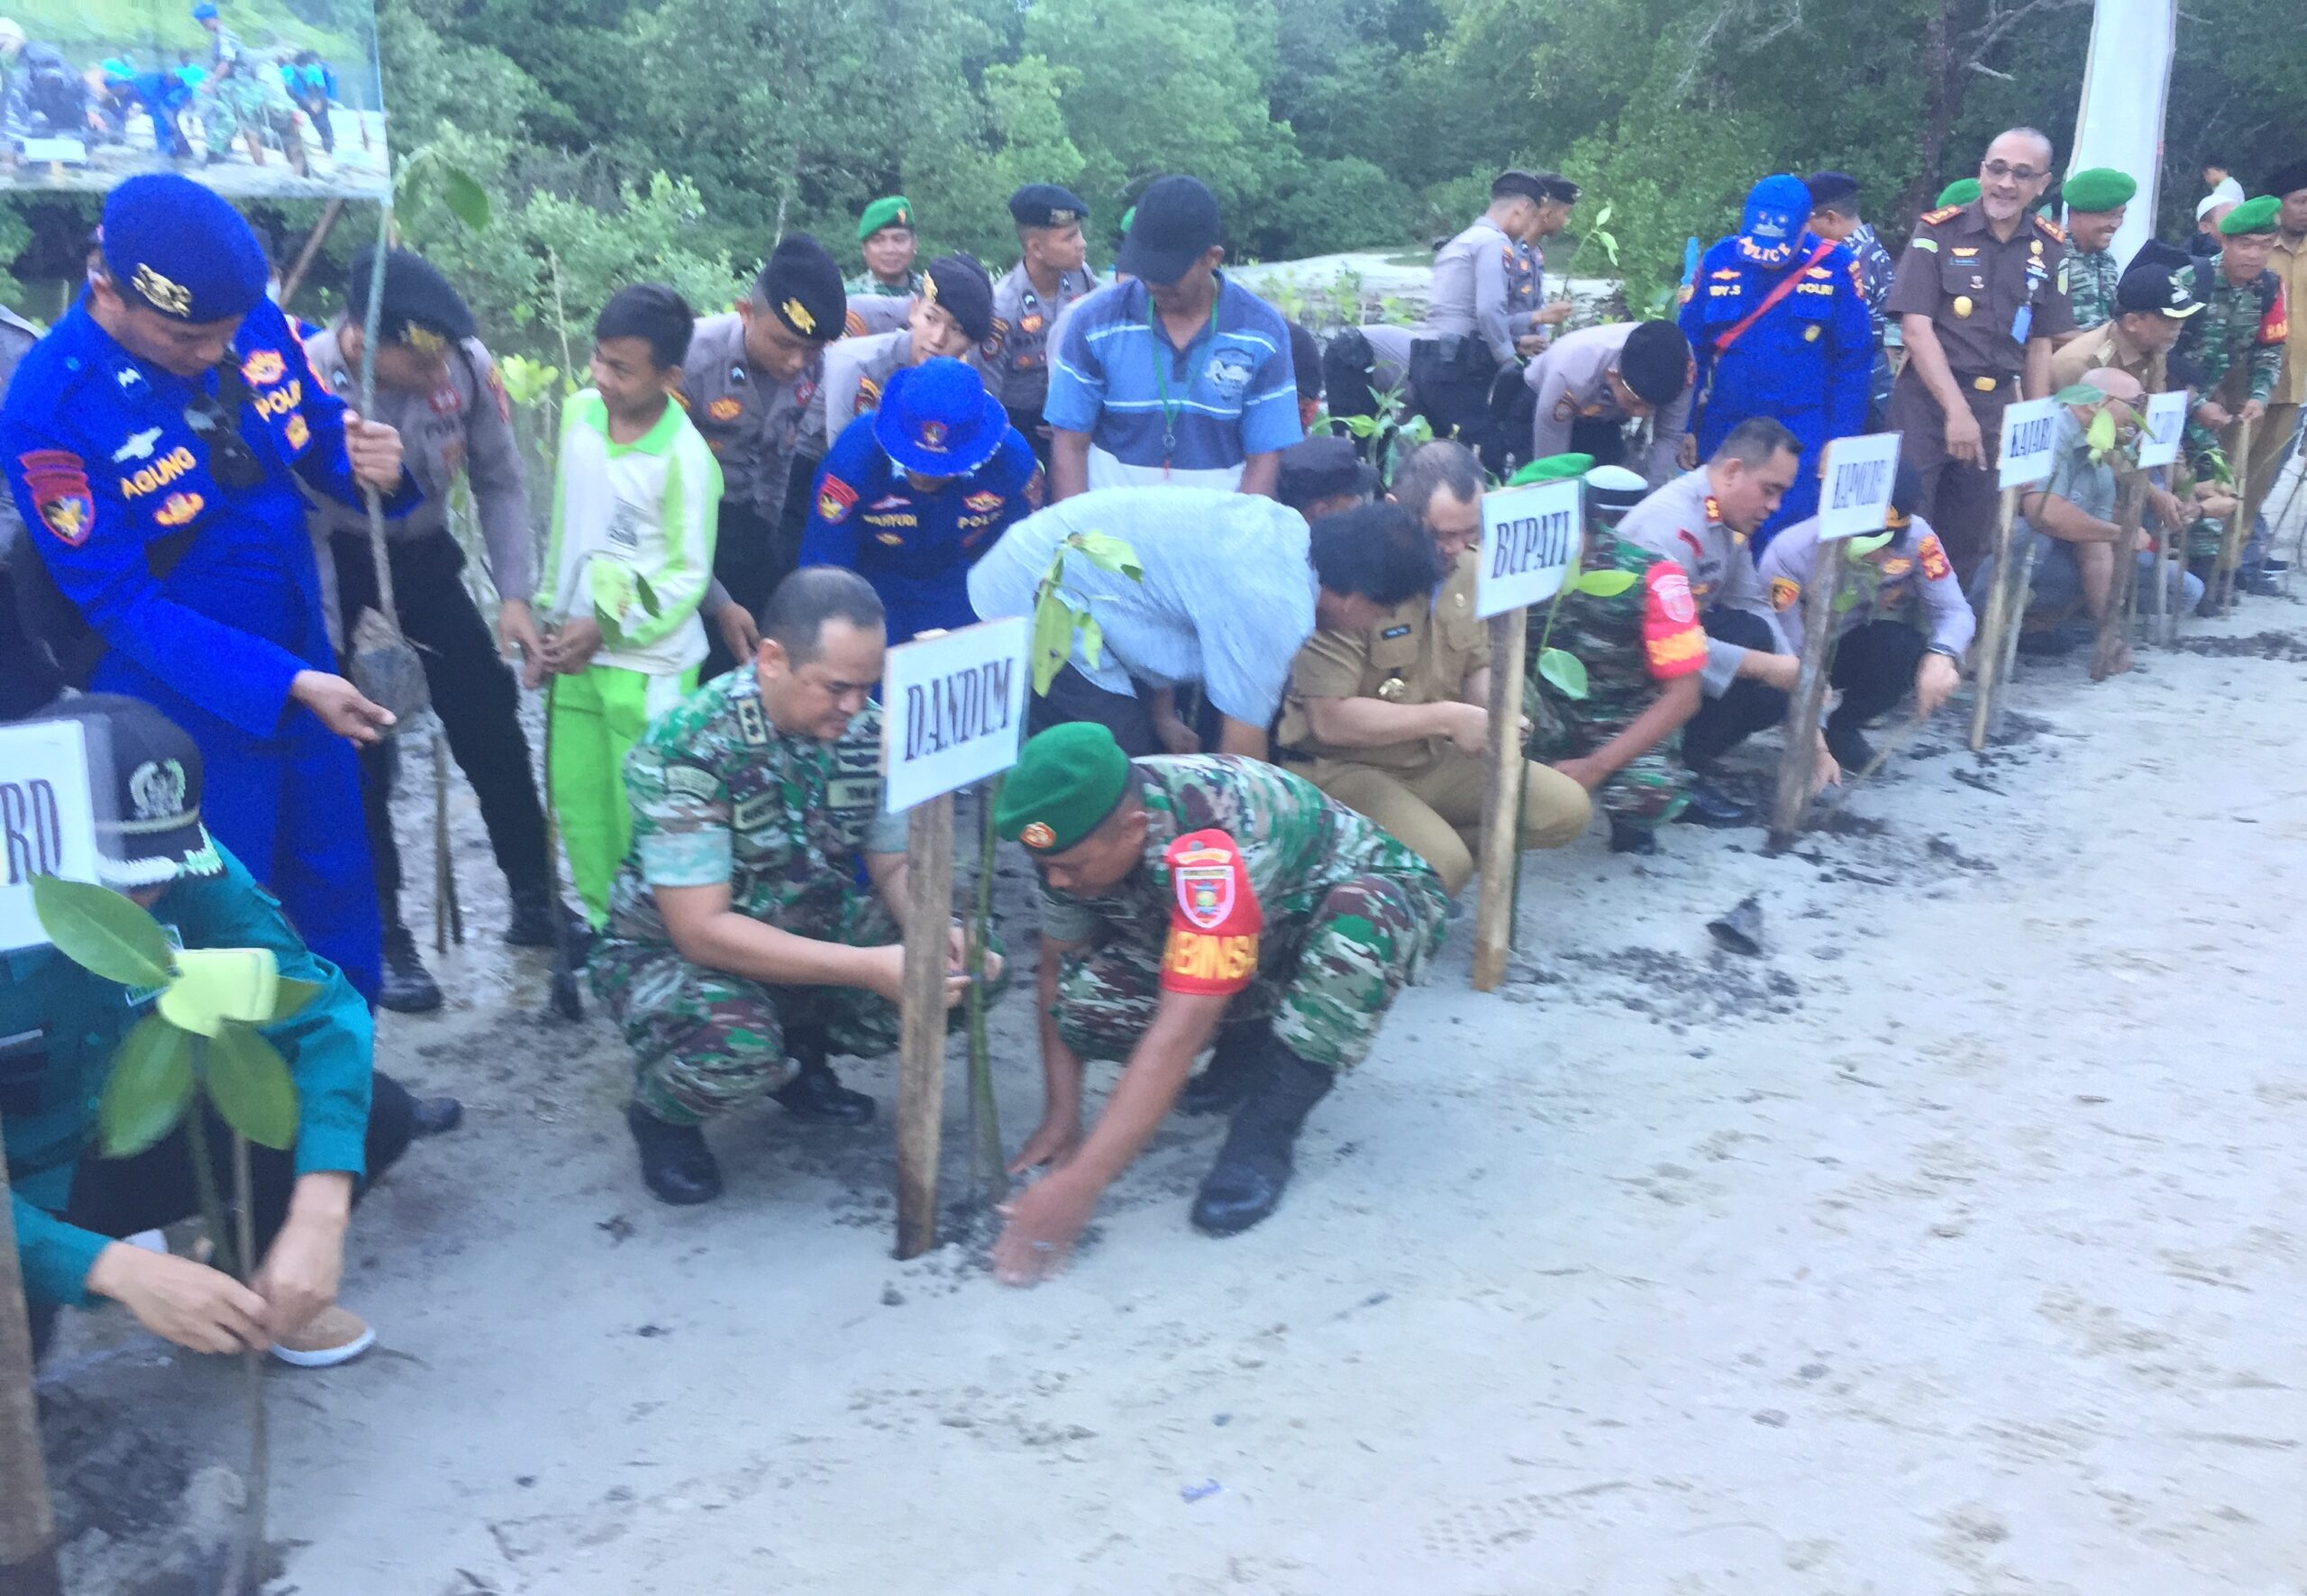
column 1778, row 209
column 936, row 420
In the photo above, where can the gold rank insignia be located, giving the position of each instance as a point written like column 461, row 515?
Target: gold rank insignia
column 1392, row 688
column 928, row 289
column 796, row 313
column 1811, row 333
column 1963, row 306
column 162, row 292
column 423, row 340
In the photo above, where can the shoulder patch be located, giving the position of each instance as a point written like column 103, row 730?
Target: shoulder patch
column 1214, row 917
column 1672, row 644
column 836, row 498
column 1785, row 592
column 2057, row 233
column 1944, row 214
column 1935, row 564
column 57, row 481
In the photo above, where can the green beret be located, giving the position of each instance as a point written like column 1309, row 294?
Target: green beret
column 2253, row 215
column 1555, row 468
column 896, row 211
column 1064, row 784
column 2101, row 188
column 1960, row 191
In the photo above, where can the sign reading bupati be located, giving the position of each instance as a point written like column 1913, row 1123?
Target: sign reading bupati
column 1529, row 536
column 952, row 710
column 259, row 99
column 48, row 826
column 2167, row 419
column 2030, row 429
column 1855, row 497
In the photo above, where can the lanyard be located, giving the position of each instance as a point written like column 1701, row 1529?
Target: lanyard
column 1160, row 351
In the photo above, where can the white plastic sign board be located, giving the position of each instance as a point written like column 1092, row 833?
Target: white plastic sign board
column 1529, row 536
column 2030, row 429
column 1854, row 498
column 48, row 826
column 37, row 151
column 952, row 710
column 2167, row 419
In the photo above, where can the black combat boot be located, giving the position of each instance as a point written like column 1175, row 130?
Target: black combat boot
column 1237, row 1065
column 1710, row 806
column 675, row 1164
column 1252, row 1168
column 403, row 985
column 816, row 1096
column 1849, row 747
column 1627, row 838
column 532, row 922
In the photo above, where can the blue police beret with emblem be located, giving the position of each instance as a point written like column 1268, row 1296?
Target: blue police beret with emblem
column 181, row 249
column 936, row 420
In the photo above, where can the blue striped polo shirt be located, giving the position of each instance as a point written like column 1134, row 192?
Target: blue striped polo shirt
column 1231, row 393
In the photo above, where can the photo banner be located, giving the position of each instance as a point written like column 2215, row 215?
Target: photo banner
column 2119, row 120
column 263, row 99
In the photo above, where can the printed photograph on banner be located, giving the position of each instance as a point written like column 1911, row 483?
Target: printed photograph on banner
column 259, row 99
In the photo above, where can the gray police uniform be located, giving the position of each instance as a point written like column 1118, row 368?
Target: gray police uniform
column 1016, row 352
column 464, row 426
column 871, row 315
column 1574, row 402
column 856, row 371
column 1468, row 336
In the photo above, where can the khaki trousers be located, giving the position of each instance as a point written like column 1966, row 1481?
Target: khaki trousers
column 1436, row 812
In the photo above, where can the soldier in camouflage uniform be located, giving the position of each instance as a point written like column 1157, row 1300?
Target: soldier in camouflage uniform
column 1184, row 900
column 1643, row 650
column 2096, row 201
column 740, row 936
column 2233, row 352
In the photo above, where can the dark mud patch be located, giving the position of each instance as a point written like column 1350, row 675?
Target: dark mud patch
column 2284, row 646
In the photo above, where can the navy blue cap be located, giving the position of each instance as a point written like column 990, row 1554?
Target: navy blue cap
column 181, row 249
column 1176, row 222
column 937, row 419
column 1045, row 205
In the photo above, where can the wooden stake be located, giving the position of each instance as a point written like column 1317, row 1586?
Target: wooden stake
column 2111, row 656
column 2239, row 526
column 311, row 252
column 988, row 1171
column 921, row 1059
column 27, row 1521
column 1501, row 801
column 1997, row 620
column 1798, row 763
column 2158, row 626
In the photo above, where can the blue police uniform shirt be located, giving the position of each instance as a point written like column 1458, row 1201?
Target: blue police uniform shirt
column 1806, row 361
column 1158, row 413
column 915, row 545
column 105, row 461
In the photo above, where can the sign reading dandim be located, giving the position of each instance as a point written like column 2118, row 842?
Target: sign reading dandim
column 952, row 710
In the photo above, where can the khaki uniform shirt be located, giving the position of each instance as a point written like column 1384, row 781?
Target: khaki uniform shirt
column 1016, row 354
column 1987, row 297
column 2105, row 347
column 1421, row 653
column 2289, row 263
column 754, row 427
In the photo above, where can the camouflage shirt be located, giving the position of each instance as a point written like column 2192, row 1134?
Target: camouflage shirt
column 2241, row 326
column 1630, row 642
column 2090, row 279
column 719, row 794
column 1297, row 845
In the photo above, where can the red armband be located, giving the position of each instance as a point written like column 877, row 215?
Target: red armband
column 1672, row 642
column 2275, row 327
column 1214, row 918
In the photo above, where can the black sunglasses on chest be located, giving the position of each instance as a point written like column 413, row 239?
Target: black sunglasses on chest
column 216, row 419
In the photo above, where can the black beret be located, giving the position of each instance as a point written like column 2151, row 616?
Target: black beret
column 1559, row 189
column 1045, row 205
column 1519, row 185
column 1655, row 362
column 802, row 287
column 1306, row 359
column 2288, row 179
column 420, row 306
column 2156, row 252
column 1324, row 466
column 958, row 284
column 1838, row 189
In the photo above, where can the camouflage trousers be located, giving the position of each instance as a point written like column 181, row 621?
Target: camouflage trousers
column 1646, row 792
column 705, row 1041
column 1323, row 996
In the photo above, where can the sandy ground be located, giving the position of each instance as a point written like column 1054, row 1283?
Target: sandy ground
column 1954, row 1245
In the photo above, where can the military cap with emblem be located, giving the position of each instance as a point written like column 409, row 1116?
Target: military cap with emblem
column 2153, row 282
column 959, row 285
column 802, row 288
column 1517, row 184
column 1045, row 205
column 182, row 250
column 2262, row 215
column 895, row 211
column 144, row 773
column 2098, row 188
column 1960, row 191
column 1655, row 362
column 2288, row 180
column 1065, row 782
column 937, row 419
column 421, row 308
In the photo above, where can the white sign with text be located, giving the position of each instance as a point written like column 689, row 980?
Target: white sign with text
column 1528, row 538
column 2167, row 419
column 48, row 826
column 952, row 710
column 1855, row 491
column 2030, row 429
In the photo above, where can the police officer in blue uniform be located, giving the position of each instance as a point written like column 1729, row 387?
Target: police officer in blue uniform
column 1778, row 325
column 158, row 444
column 913, row 495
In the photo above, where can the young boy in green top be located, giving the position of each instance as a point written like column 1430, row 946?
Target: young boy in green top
column 635, row 505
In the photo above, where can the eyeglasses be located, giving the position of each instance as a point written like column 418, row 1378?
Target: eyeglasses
column 2003, row 168
column 216, row 419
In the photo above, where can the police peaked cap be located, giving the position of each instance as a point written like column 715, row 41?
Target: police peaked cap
column 802, row 287
column 1045, row 205
column 1655, row 362
column 418, row 300
column 960, row 285
column 182, row 250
